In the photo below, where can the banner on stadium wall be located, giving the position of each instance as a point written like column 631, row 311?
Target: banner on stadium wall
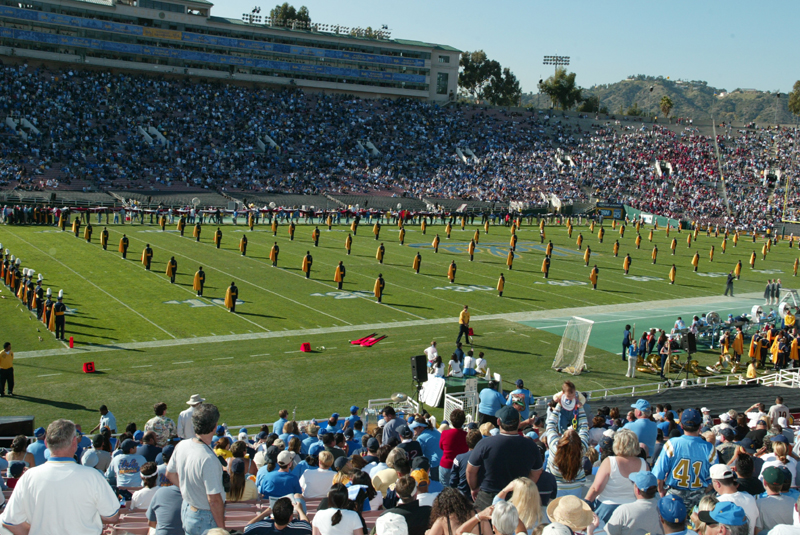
column 611, row 210
column 649, row 219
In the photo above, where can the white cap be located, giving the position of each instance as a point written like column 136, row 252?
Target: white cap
column 12, row 257
column 19, row 261
column 40, row 277
column 391, row 524
column 724, row 417
column 31, row 273
column 60, row 294
column 49, row 292
column 783, row 422
column 24, row 272
column 705, row 409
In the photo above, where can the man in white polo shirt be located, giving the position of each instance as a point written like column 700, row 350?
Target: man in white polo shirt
column 61, row 496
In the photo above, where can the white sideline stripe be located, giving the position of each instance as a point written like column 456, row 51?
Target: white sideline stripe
column 261, row 355
column 48, row 375
column 96, row 286
column 184, row 362
column 537, row 315
column 223, row 358
column 143, row 366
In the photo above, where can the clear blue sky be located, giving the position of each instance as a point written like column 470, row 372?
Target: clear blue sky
column 728, row 44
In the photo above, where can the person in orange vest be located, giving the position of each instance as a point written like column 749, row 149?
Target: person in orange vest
column 424, row 225
column 548, row 251
column 471, row 250
column 672, row 273
column 587, row 255
column 199, row 281
column 546, row 266
column 626, row 264
column 794, row 266
column 417, row 263
column 198, row 229
column 380, row 253
column 486, row 227
column 338, row 275
column 274, row 226
column 181, row 225
column 123, row 246
column 172, row 269
column 376, row 230
column 87, row 233
column 579, row 241
column 541, row 236
column 476, row 237
column 753, row 260
column 273, row 254
column 569, row 231
column 218, row 237
column 513, row 242
column 243, row 245
column 501, row 284
column 451, row 271
column 616, row 248
column 308, row 261
column 696, row 260
column 348, row 243
column 711, row 254
column 738, row 270
column 593, row 276
column 764, row 251
column 673, row 245
column 315, row 236
column 654, row 254
column 435, row 244
column 724, row 244
column 448, row 229
column 600, row 234
column 689, row 241
column 638, row 240
column 291, row 231
column 510, row 259
column 402, row 236
column 380, row 285
column 147, row 257
column 231, row 295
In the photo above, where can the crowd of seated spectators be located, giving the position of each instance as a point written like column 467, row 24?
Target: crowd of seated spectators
column 209, row 136
column 622, row 471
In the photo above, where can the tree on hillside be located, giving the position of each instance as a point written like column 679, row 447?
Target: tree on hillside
column 794, row 99
column 562, row 90
column 666, row 105
column 477, row 72
column 635, row 111
column 590, row 105
column 282, row 13
column 503, row 90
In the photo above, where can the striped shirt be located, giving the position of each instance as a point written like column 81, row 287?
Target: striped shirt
column 551, row 432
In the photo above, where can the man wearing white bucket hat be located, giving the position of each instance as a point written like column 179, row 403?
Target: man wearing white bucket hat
column 185, row 428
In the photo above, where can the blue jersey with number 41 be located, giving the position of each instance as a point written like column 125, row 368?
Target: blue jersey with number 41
column 685, row 463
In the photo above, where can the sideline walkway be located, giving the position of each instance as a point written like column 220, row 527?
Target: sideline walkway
column 529, row 318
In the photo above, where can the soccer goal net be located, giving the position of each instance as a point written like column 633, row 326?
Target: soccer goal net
column 571, row 351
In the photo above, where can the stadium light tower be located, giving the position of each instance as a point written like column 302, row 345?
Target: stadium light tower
column 557, row 61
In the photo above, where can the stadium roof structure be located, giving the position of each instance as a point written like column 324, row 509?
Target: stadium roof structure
column 403, row 42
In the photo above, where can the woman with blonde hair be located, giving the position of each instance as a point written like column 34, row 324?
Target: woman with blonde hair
column 779, row 457
column 525, row 497
column 707, row 503
column 486, row 429
column 611, row 487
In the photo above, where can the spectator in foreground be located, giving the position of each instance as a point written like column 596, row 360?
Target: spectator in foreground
column 197, row 471
column 61, row 496
column 450, row 509
column 164, row 512
column 337, row 519
column 417, row 516
column 278, row 519
column 775, row 508
column 37, row 447
column 141, row 498
column 726, row 518
column 641, row 515
column 613, row 485
column 243, row 488
column 452, row 442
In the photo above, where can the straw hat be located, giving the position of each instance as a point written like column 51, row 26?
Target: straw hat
column 570, row 511
column 196, row 399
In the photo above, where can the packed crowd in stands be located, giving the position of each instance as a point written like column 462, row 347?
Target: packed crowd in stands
column 89, row 138
column 615, row 470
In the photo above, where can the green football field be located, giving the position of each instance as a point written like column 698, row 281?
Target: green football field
column 153, row 341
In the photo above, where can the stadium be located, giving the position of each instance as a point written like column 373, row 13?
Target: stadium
column 282, row 220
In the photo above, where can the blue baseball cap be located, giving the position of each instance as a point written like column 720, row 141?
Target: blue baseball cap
column 323, row 431
column 335, row 415
column 40, row 432
column 672, row 509
column 727, row 513
column 644, row 479
column 780, row 437
column 127, row 445
column 220, row 430
column 417, row 424
column 138, row 435
column 641, row 404
column 243, row 430
column 691, row 417
column 373, row 444
column 533, row 435
column 353, row 409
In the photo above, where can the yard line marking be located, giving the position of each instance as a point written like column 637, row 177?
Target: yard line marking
column 98, row 287
column 212, row 302
column 298, row 351
column 525, row 335
column 744, row 301
column 143, row 366
column 258, row 286
column 543, row 342
column 260, row 355
column 224, row 358
column 213, row 334
column 184, row 362
column 48, row 375
column 414, row 340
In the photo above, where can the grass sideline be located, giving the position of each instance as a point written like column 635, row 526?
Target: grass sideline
column 116, row 301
